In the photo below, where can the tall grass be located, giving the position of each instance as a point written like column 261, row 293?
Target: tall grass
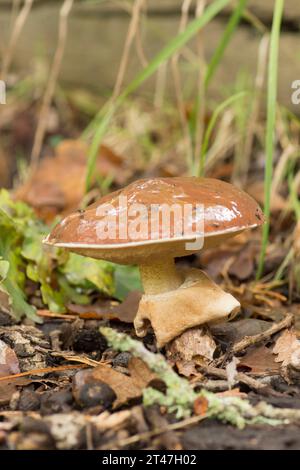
column 99, row 126
column 270, row 129
column 225, row 39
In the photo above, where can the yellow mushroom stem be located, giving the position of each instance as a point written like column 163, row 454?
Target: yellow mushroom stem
column 159, row 276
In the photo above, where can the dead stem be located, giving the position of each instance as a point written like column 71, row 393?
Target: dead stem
column 132, row 30
column 17, row 29
column 46, row 370
column 54, row 72
column 200, row 101
column 177, row 82
column 156, row 432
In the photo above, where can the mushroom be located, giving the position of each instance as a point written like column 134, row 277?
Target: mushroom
column 148, row 224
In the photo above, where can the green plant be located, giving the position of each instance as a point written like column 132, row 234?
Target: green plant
column 270, row 130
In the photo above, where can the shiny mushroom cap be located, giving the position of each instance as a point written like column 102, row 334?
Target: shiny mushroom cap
column 226, row 211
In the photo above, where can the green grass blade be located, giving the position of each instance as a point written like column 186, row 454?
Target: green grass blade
column 225, row 39
column 102, row 120
column 271, row 121
column 211, row 125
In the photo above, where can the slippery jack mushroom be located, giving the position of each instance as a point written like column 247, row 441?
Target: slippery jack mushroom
column 174, row 299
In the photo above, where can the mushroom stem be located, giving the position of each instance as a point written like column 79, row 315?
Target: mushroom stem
column 160, row 276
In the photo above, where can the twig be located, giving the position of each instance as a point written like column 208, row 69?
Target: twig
column 133, row 27
column 156, row 432
column 251, row 340
column 54, row 72
column 239, row 377
column 17, row 29
column 46, row 370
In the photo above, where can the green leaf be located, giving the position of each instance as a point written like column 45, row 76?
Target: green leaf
column 89, row 273
column 4, row 268
column 127, row 279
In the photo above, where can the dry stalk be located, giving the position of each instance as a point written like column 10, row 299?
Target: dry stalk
column 139, row 46
column 132, row 30
column 259, row 84
column 50, row 88
column 16, row 31
column 177, row 80
column 200, row 117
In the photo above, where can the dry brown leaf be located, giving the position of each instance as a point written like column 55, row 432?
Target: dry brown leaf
column 125, row 387
column 58, row 184
column 193, row 343
column 8, row 388
column 259, row 360
column 188, row 369
column 287, row 348
column 127, row 310
column 194, row 346
column 243, row 265
column 9, row 363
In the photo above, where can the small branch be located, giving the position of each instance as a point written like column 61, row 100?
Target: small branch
column 50, row 89
column 239, row 377
column 156, row 432
column 251, row 340
column 47, row 370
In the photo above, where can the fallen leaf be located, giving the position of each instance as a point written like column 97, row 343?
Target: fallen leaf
column 9, row 363
column 125, row 387
column 195, row 343
column 187, row 368
column 58, row 184
column 243, row 265
column 287, row 348
column 127, row 310
column 259, row 361
column 9, row 386
column 191, row 343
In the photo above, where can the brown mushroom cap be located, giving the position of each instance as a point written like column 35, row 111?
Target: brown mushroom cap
column 227, row 212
